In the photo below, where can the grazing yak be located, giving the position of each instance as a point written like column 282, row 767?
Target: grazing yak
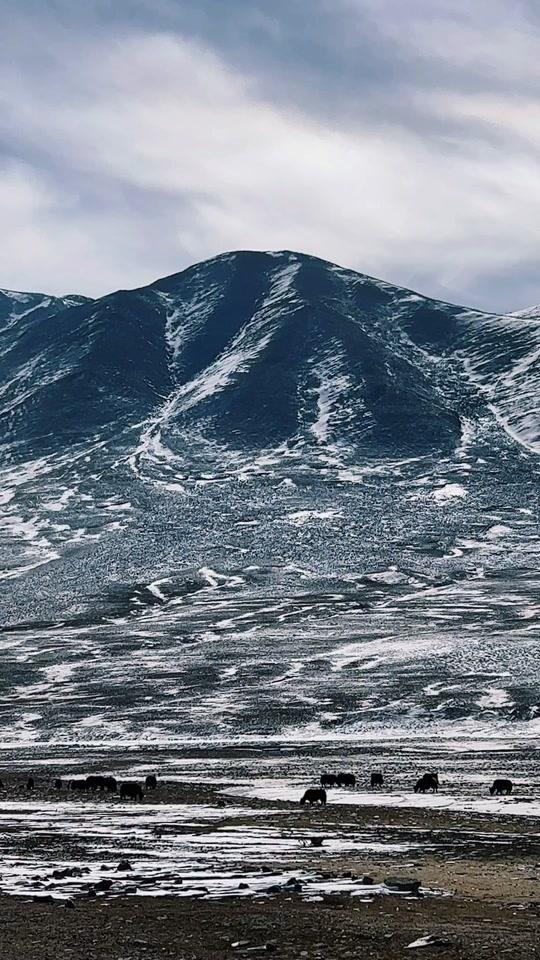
column 429, row 781
column 58, row 784
column 78, row 785
column 377, row 780
column 314, row 795
column 346, row 780
column 500, row 787
column 98, row 782
column 95, row 782
column 329, row 780
column 151, row 781
column 30, row 783
column 130, row 790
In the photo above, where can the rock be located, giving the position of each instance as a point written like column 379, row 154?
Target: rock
column 124, row 865
column 263, row 948
column 430, row 940
column 243, row 886
column 103, row 885
column 70, row 904
column 275, row 888
column 367, row 880
column 316, row 841
column 403, row 884
column 69, row 872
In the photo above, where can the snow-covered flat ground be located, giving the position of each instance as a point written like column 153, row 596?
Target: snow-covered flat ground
column 517, row 805
column 172, row 848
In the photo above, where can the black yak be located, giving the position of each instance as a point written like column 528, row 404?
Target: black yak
column 314, row 795
column 329, row 780
column 95, row 782
column 78, row 785
column 130, row 790
column 500, row 787
column 429, row 781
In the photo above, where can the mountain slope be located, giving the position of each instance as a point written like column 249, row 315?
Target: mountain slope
column 267, row 496
column 255, row 350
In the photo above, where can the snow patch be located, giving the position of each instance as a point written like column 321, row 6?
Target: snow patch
column 450, row 491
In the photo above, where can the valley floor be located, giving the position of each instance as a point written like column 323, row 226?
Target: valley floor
column 480, row 876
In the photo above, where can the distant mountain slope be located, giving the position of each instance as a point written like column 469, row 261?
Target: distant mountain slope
column 266, row 498
column 253, row 350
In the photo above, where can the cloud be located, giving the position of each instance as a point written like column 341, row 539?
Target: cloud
column 137, row 144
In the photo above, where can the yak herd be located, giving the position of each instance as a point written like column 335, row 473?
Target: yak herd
column 428, row 781
column 128, row 789
column 133, row 790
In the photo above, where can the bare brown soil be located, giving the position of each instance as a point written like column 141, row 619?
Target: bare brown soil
column 338, row 927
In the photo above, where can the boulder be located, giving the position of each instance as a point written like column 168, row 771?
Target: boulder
column 403, row 884
column 103, row 885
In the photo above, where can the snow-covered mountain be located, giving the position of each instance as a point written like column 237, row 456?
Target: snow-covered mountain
column 201, row 477
column 251, row 350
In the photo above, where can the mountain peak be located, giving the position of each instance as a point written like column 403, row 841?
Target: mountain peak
column 258, row 349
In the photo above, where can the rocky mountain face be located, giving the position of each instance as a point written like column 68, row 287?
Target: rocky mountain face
column 253, row 350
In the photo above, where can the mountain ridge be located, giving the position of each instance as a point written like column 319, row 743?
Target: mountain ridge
column 285, row 252
column 263, row 348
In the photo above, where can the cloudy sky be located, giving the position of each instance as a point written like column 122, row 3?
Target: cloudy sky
column 399, row 139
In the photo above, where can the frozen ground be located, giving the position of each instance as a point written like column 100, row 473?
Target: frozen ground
column 179, row 849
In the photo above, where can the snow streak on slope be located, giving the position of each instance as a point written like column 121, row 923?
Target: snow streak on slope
column 246, row 346
column 225, row 370
column 502, row 357
column 333, row 391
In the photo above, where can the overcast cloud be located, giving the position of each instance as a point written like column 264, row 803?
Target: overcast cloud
column 399, row 139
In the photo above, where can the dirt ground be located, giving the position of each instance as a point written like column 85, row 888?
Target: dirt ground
column 338, row 927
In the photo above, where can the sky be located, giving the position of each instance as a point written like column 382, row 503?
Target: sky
column 398, row 139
